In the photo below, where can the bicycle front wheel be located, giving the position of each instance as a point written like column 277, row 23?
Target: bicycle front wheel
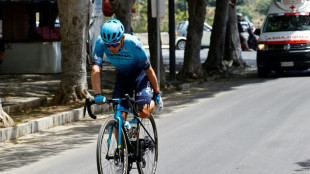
column 147, row 146
column 110, row 158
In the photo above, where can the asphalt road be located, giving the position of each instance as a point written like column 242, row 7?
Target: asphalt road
column 253, row 126
column 244, row 125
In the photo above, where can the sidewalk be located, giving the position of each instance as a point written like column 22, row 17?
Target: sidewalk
column 27, row 91
column 23, row 92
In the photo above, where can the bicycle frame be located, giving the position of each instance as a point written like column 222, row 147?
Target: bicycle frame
column 118, row 109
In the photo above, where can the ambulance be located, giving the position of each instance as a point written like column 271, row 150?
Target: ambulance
column 284, row 41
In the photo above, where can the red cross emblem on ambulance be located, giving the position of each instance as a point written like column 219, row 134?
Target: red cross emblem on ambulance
column 292, row 7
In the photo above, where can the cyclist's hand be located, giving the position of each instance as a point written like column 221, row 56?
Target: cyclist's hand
column 156, row 98
column 99, row 99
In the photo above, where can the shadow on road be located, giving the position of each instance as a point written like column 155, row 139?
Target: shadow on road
column 210, row 89
column 30, row 149
column 305, row 166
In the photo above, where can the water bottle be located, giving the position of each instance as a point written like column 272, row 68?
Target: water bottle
column 127, row 125
column 159, row 108
column 133, row 125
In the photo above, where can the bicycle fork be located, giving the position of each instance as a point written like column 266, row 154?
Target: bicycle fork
column 118, row 116
column 118, row 133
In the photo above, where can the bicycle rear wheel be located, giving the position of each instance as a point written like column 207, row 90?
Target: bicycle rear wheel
column 147, row 146
column 110, row 158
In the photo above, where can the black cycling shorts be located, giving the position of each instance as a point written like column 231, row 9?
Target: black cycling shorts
column 137, row 83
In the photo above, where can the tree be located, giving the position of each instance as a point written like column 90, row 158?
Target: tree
column 232, row 46
column 122, row 10
column 5, row 118
column 73, row 16
column 192, row 67
column 152, row 39
column 215, row 56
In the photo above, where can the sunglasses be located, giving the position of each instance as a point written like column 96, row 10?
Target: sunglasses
column 112, row 44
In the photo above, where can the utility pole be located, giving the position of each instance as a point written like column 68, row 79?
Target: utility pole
column 158, row 42
column 172, row 40
column 185, row 6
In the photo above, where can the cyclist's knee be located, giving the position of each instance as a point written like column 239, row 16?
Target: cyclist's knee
column 145, row 110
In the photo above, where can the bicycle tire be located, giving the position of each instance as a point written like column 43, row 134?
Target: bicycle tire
column 146, row 147
column 113, row 162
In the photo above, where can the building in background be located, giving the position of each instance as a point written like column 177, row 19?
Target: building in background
column 31, row 32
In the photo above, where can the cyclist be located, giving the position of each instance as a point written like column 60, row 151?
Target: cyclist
column 243, row 39
column 134, row 72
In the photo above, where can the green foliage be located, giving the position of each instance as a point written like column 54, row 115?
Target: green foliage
column 181, row 5
column 180, row 16
column 255, row 10
column 263, row 5
column 139, row 19
column 212, row 3
column 245, row 11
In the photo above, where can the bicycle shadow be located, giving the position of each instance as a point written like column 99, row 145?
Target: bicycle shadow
column 305, row 166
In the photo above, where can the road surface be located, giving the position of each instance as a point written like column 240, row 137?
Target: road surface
column 241, row 125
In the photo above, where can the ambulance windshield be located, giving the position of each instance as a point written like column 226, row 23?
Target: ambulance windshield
column 287, row 22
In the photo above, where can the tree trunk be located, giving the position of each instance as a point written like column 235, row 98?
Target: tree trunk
column 152, row 39
column 122, row 10
column 216, row 51
column 5, row 118
column 192, row 68
column 73, row 17
column 233, row 49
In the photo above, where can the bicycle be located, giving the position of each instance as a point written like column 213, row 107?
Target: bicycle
column 119, row 147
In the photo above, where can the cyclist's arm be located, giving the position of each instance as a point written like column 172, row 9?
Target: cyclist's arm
column 95, row 79
column 96, row 67
column 143, row 62
column 152, row 78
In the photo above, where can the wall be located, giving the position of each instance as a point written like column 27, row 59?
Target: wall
column 144, row 38
column 35, row 57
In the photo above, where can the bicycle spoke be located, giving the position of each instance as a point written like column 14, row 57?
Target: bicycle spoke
column 112, row 151
column 111, row 159
column 148, row 144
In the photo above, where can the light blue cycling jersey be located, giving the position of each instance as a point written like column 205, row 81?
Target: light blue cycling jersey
column 129, row 60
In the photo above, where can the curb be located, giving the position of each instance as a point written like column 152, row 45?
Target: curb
column 47, row 122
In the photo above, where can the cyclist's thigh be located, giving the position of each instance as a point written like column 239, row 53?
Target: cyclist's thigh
column 123, row 85
column 143, row 89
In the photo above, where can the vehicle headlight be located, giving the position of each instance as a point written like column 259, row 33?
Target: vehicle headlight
column 262, row 47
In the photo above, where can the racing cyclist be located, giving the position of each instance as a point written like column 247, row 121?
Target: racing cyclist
column 134, row 72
